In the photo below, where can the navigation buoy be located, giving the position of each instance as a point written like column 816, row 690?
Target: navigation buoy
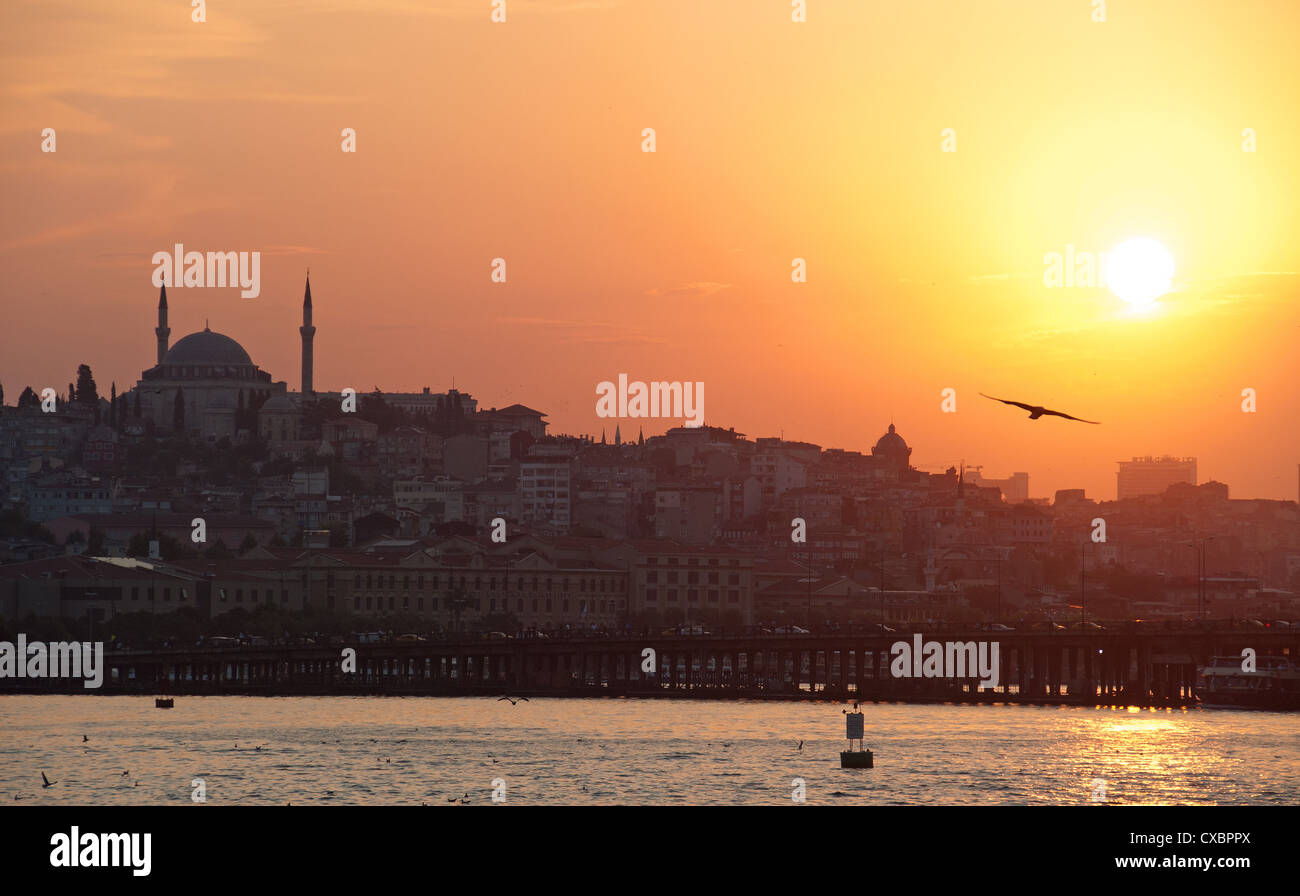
column 853, row 729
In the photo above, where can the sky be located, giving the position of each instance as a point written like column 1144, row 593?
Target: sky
column 774, row 140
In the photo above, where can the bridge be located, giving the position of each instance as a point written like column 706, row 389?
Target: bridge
column 1125, row 667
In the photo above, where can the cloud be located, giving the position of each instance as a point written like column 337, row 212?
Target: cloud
column 699, row 289
column 1005, row 276
column 586, row 332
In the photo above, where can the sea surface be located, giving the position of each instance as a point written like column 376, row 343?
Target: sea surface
column 451, row 752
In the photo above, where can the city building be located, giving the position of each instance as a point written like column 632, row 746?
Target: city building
column 1152, row 475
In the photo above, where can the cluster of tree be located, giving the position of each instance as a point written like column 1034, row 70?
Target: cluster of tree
column 15, row 524
column 171, row 549
column 374, row 408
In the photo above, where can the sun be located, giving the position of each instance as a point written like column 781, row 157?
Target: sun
column 1139, row 271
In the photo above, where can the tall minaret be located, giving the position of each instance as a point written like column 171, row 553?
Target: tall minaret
column 162, row 331
column 308, row 334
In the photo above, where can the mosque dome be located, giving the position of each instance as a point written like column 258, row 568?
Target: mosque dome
column 890, row 441
column 279, row 403
column 207, row 347
column 892, row 447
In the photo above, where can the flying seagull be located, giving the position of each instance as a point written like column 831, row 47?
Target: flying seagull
column 1036, row 411
column 514, row 701
column 48, row 782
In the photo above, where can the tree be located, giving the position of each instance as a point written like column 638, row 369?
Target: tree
column 178, row 411
column 218, row 551
column 29, row 399
column 112, row 404
column 2, row 395
column 87, row 393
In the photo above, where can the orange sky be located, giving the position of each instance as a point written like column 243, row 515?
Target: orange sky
column 775, row 140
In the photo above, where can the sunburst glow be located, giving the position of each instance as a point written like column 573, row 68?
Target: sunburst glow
column 1139, row 271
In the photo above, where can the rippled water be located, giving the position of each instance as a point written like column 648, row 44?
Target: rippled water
column 377, row 750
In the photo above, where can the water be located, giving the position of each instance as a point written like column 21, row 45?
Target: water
column 389, row 751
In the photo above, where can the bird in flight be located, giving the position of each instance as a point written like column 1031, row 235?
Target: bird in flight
column 1036, row 411
column 48, row 782
column 514, row 701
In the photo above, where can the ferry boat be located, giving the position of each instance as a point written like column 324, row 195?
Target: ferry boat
column 1275, row 684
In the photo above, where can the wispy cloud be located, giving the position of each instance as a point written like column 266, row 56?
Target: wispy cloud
column 699, row 289
column 585, row 332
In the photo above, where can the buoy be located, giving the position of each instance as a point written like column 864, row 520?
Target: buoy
column 853, row 730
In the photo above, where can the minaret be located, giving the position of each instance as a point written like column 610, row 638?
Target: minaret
column 162, row 331
column 308, row 334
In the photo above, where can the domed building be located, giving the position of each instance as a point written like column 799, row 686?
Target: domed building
column 211, row 377
column 892, row 452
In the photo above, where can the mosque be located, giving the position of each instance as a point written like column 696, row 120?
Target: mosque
column 214, row 377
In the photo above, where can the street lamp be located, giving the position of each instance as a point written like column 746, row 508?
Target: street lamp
column 1199, row 547
column 808, row 615
column 1083, row 584
column 882, row 589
